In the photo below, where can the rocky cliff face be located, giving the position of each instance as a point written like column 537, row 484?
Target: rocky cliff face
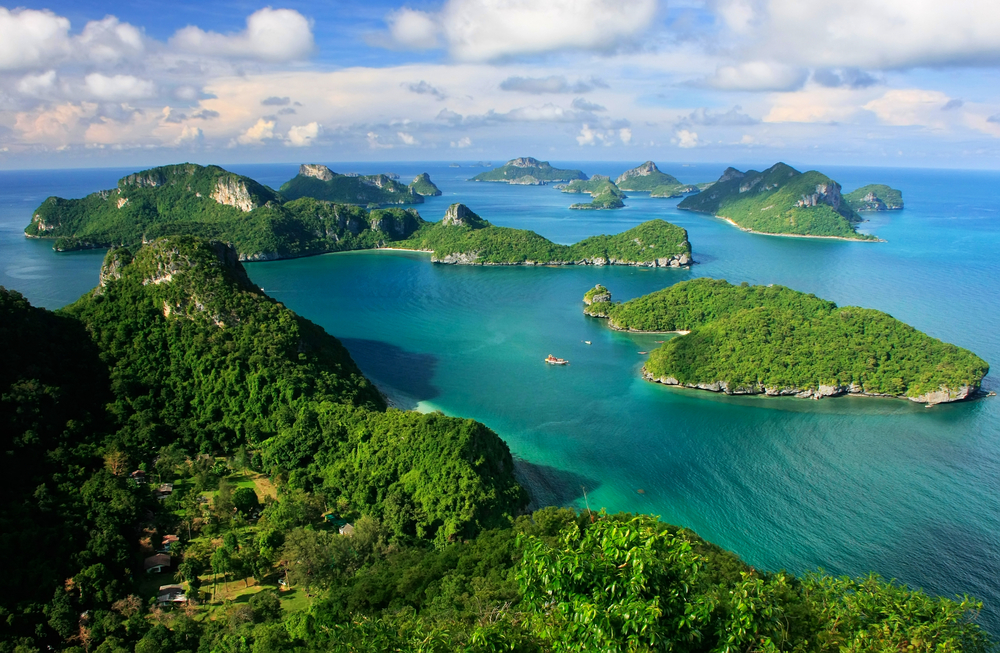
column 232, row 191
column 943, row 395
column 644, row 170
column 526, row 162
column 526, row 180
column 316, row 171
column 828, row 193
column 459, row 215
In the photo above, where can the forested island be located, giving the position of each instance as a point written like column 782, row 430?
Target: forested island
column 321, row 183
column 603, row 192
column 875, row 197
column 465, row 238
column 210, row 202
column 776, row 341
column 779, row 201
column 529, row 171
column 190, row 466
column 647, row 177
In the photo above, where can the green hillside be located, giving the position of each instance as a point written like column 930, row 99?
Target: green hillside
column 604, row 193
column 528, row 167
column 466, row 238
column 423, row 186
column 774, row 340
column 780, row 200
column 321, row 183
column 875, row 197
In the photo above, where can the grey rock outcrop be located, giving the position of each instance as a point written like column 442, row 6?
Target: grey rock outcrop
column 317, row 171
column 459, row 215
column 644, row 170
column 232, row 191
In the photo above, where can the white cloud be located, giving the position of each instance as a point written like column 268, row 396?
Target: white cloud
column 757, row 76
column 686, row 139
column 58, row 125
column 463, row 142
column 550, row 84
column 303, row 135
column 30, row 39
column 375, row 142
column 485, row 30
column 40, row 86
column 414, row 30
column 816, row 105
column 261, row 131
column 408, row 139
column 907, row 107
column 882, row 34
column 190, row 135
column 271, row 35
column 110, row 41
column 119, row 87
column 625, row 134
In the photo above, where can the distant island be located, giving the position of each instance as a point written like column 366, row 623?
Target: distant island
column 875, row 197
column 462, row 237
column 526, row 170
column 775, row 341
column 648, row 178
column 423, row 186
column 604, row 193
column 210, row 202
column 319, row 182
column 780, row 201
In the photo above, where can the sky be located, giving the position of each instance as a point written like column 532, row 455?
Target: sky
column 912, row 83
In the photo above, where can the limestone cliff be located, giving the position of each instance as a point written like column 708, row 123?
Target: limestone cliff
column 232, row 191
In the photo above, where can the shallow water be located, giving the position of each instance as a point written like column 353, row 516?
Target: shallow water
column 849, row 484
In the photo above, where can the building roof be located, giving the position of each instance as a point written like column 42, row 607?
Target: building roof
column 158, row 560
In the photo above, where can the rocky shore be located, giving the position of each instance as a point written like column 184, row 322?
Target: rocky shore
column 941, row 396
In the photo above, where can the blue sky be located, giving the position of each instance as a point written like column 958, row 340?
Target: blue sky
column 867, row 82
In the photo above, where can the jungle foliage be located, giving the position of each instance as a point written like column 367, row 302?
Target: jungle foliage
column 776, row 337
column 779, row 200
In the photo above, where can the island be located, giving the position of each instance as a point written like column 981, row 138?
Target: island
column 780, row 201
column 189, row 465
column 518, row 170
column 648, row 178
column 321, row 183
column 463, row 237
column 211, row 202
column 875, row 197
column 775, row 341
column 423, row 186
column 604, row 193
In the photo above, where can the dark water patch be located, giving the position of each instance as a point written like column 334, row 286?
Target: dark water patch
column 405, row 376
column 550, row 486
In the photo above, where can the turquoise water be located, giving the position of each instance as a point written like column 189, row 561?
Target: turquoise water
column 849, row 485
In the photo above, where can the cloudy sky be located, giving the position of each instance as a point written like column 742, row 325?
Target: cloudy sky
column 866, row 82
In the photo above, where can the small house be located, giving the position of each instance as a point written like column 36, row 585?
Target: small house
column 168, row 594
column 138, row 476
column 154, row 564
column 164, row 491
column 347, row 529
column 167, row 541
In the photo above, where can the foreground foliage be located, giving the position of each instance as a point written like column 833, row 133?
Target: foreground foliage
column 755, row 337
column 178, row 366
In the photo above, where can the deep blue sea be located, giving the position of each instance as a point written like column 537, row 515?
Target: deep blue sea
column 849, row 485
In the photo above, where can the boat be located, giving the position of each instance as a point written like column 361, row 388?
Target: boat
column 552, row 360
column 587, row 341
column 643, row 352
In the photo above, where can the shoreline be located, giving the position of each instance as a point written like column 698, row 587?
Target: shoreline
column 764, row 233
column 967, row 393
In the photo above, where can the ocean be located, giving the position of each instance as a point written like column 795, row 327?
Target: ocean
column 849, row 485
